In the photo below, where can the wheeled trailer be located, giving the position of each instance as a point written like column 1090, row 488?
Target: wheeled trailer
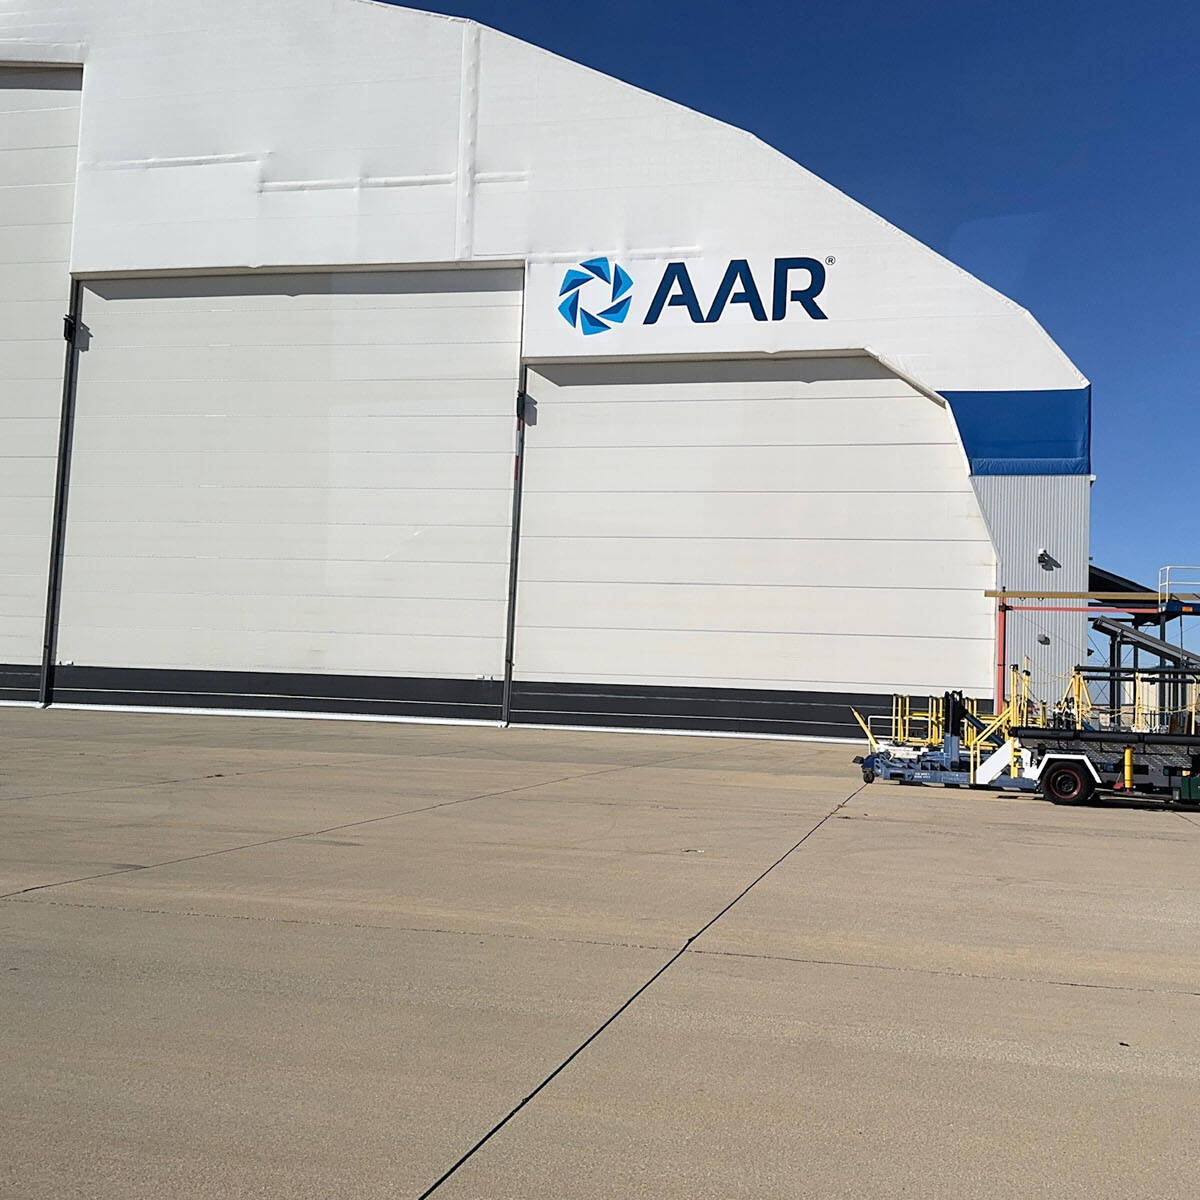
column 1077, row 763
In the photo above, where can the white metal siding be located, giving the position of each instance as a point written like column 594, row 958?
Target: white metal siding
column 39, row 119
column 806, row 524
column 295, row 473
column 1026, row 513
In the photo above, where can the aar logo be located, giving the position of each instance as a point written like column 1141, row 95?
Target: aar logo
column 604, row 286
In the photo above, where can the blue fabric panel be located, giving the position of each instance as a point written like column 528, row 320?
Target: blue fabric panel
column 1025, row 433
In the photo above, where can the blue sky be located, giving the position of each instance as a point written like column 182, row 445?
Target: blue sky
column 1052, row 149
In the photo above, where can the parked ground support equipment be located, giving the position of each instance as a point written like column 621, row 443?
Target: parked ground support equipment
column 1060, row 751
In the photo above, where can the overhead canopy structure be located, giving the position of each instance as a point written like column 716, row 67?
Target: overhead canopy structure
column 776, row 449
column 1130, row 635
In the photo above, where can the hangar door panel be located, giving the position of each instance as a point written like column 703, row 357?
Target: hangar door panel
column 39, row 124
column 293, row 491
column 744, row 546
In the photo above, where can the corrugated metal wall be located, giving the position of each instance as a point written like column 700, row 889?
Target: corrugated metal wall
column 1026, row 513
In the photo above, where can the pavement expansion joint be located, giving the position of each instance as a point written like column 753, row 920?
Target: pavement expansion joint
column 463, row 1159
column 292, row 837
column 946, row 973
column 432, row 930
column 153, row 783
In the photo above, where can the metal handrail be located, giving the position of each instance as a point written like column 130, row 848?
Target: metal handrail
column 1171, row 579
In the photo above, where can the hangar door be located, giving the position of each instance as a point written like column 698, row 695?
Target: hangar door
column 743, row 546
column 293, row 491
column 39, row 125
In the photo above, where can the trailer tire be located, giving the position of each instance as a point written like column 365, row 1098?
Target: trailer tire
column 868, row 776
column 1067, row 783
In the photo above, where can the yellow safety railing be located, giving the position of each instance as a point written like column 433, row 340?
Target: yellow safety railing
column 909, row 725
column 906, row 725
column 1016, row 711
column 1134, row 708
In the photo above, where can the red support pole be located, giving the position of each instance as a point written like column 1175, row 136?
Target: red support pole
column 1001, row 648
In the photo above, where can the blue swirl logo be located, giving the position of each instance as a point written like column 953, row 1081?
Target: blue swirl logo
column 614, row 300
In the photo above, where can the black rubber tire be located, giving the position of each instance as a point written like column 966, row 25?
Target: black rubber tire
column 868, row 777
column 1067, row 783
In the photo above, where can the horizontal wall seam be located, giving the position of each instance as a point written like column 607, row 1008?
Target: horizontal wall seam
column 743, row 632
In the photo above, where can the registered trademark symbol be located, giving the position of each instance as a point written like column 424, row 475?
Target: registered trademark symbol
column 830, row 261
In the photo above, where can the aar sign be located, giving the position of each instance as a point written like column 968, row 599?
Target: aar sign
column 738, row 286
column 597, row 294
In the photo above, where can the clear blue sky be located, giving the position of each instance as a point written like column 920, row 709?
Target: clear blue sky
column 1051, row 148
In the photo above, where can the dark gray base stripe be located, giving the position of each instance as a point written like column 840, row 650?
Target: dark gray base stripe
column 700, row 710
column 724, row 710
column 19, row 681
column 450, row 699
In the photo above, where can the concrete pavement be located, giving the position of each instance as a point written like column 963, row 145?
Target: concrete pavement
column 305, row 958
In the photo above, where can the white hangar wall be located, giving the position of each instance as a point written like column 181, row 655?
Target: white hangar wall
column 250, row 144
column 705, row 540
column 39, row 116
column 280, row 481
column 282, row 134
